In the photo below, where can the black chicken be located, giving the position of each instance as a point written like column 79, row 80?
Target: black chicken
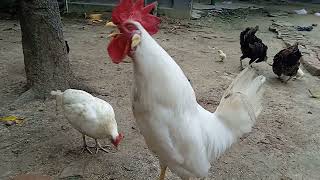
column 287, row 62
column 252, row 47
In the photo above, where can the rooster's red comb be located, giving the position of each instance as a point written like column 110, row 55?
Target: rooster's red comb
column 127, row 9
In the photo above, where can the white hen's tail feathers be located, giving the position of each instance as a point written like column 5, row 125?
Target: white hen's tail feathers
column 58, row 95
column 241, row 103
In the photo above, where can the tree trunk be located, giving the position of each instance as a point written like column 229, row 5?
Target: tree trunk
column 45, row 54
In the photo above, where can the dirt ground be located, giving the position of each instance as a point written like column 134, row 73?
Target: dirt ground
column 284, row 143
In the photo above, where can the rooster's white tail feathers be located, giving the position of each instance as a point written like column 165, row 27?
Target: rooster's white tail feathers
column 241, row 103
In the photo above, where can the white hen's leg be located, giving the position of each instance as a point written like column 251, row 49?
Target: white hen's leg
column 162, row 172
column 98, row 146
column 85, row 146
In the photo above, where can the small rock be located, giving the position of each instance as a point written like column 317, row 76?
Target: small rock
column 264, row 141
column 301, row 12
column 312, row 64
column 31, row 177
column 305, row 28
column 227, row 2
column 8, row 29
column 309, row 112
column 40, row 109
column 12, row 108
column 16, row 151
column 285, row 178
column 277, row 14
column 75, row 169
column 10, row 123
column 127, row 168
column 195, row 14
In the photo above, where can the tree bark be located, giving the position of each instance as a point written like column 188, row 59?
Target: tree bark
column 45, row 54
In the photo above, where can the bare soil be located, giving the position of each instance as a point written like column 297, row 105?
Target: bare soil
column 284, row 143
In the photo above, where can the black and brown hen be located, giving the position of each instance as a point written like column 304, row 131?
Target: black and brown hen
column 252, row 47
column 287, row 62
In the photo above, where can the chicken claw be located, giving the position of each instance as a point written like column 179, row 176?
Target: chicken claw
column 288, row 79
column 163, row 172
column 85, row 146
column 98, row 146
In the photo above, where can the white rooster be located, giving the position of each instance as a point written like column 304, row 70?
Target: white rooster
column 184, row 136
column 89, row 115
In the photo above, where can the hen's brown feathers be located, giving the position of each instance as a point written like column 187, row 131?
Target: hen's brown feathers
column 287, row 61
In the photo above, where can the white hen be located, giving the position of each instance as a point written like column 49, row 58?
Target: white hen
column 184, row 136
column 89, row 115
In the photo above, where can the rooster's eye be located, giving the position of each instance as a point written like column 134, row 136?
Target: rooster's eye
column 130, row 27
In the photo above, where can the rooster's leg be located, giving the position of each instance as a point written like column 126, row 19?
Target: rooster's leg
column 98, row 146
column 163, row 172
column 85, row 146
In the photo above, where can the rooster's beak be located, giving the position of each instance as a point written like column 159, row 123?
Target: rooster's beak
column 135, row 41
column 110, row 24
column 113, row 34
